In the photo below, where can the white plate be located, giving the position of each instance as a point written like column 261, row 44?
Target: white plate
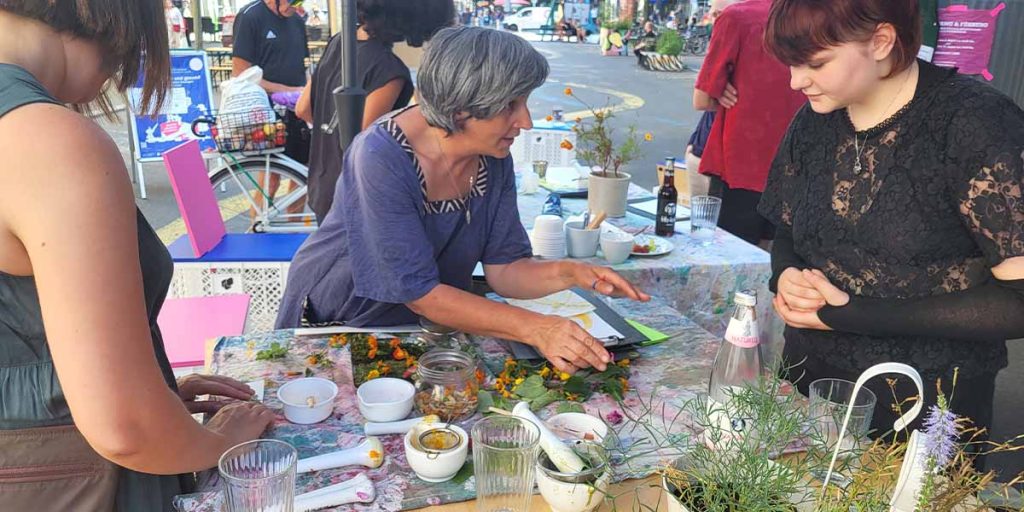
column 661, row 245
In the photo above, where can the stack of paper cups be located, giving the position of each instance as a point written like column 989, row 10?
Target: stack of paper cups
column 548, row 237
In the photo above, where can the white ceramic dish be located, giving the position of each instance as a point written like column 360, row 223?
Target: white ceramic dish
column 577, row 426
column 433, row 466
column 661, row 245
column 385, row 399
column 567, row 492
column 616, row 247
column 308, row 400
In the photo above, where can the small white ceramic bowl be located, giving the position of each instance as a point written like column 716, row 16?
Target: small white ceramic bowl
column 297, row 395
column 435, row 466
column 385, row 399
column 616, row 247
column 578, row 492
column 577, row 426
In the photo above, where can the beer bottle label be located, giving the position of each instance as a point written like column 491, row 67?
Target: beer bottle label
column 668, row 214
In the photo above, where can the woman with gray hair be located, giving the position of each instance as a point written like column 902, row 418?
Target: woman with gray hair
column 429, row 191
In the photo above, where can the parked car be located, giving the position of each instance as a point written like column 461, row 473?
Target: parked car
column 528, row 18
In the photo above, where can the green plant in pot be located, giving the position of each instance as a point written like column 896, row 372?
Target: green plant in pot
column 597, row 150
column 670, row 43
column 724, row 472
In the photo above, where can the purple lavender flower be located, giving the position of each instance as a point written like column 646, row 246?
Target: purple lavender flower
column 940, row 436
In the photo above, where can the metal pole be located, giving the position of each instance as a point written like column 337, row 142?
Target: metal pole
column 197, row 23
column 349, row 96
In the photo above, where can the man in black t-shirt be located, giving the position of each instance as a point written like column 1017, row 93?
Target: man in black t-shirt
column 268, row 34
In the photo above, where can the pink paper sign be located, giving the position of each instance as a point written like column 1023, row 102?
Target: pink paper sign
column 195, row 196
column 966, row 37
column 187, row 323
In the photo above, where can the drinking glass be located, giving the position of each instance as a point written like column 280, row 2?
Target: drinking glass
column 259, row 476
column 704, row 211
column 540, row 168
column 504, row 463
column 828, row 403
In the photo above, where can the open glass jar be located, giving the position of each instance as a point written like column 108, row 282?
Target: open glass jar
column 446, row 384
column 440, row 336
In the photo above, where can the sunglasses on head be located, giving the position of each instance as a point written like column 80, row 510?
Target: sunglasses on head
column 295, row 3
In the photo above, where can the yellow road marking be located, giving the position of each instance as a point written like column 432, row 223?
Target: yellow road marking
column 173, row 230
column 629, row 102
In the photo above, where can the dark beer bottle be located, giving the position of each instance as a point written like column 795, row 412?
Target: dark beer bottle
column 665, row 223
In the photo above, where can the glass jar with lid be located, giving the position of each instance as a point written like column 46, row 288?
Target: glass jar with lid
column 446, row 384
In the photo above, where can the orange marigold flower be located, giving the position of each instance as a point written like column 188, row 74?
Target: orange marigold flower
column 549, row 118
column 648, row 137
column 566, row 145
column 623, row 363
column 506, row 394
column 398, row 354
column 568, row 91
column 394, row 342
column 579, row 120
column 480, row 376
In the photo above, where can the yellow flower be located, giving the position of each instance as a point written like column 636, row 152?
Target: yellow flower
column 568, row 91
column 549, row 118
column 544, row 372
column 566, row 145
column 564, row 376
column 519, row 381
column 372, row 375
column 572, row 397
column 648, row 137
column 625, row 383
column 623, row 363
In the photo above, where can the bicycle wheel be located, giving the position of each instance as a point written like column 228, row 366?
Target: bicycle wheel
column 254, row 193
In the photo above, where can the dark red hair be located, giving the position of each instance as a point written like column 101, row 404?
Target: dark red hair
column 798, row 29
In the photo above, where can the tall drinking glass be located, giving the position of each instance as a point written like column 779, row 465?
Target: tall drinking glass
column 704, row 211
column 505, row 452
column 828, row 402
column 259, row 476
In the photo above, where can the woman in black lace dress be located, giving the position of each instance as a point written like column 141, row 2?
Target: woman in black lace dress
column 897, row 194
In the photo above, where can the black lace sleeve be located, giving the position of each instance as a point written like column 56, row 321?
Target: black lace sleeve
column 986, row 150
column 785, row 177
column 992, row 311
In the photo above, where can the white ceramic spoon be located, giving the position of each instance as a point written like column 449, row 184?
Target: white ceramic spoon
column 356, row 490
column 369, row 453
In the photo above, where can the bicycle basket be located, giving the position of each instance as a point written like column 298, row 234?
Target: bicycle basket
column 254, row 132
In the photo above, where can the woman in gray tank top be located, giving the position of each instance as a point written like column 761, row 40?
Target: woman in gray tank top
column 90, row 413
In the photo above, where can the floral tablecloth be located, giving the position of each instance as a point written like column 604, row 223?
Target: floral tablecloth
column 698, row 281
column 662, row 378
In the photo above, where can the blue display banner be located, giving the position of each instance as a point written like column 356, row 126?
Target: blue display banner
column 189, row 97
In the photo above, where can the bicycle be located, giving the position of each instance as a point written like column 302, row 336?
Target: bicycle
column 258, row 188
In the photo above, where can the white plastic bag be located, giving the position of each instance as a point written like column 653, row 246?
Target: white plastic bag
column 243, row 103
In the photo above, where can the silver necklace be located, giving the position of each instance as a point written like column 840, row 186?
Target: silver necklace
column 464, row 200
column 857, row 147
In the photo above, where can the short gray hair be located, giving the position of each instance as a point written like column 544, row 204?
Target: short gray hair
column 475, row 70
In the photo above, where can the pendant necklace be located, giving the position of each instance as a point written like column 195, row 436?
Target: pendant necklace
column 857, row 147
column 472, row 178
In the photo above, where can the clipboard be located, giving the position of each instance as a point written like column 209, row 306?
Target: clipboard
column 631, row 336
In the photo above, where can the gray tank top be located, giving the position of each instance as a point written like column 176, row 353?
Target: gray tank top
column 30, row 393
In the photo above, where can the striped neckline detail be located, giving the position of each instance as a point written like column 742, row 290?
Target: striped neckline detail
column 445, row 205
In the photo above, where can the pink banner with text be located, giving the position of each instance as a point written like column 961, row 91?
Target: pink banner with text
column 966, row 37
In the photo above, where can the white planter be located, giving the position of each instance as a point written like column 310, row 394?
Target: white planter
column 673, row 503
column 608, row 194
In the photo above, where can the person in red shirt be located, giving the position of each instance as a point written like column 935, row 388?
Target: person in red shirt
column 750, row 90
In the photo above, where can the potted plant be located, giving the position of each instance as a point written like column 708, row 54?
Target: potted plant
column 723, row 471
column 596, row 149
column 666, row 57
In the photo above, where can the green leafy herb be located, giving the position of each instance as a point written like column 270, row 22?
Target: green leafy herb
column 567, row 406
column 276, row 351
column 531, row 388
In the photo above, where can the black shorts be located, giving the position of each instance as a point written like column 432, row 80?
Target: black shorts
column 296, row 146
column 739, row 212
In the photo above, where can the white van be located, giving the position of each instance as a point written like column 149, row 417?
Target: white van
column 528, row 18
